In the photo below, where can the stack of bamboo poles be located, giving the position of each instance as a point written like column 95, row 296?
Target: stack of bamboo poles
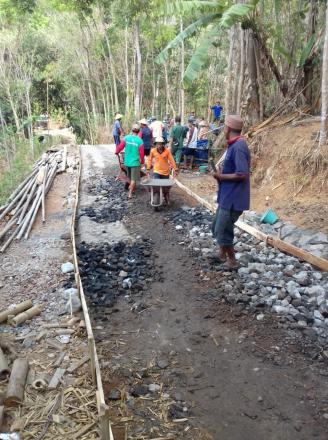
column 20, row 212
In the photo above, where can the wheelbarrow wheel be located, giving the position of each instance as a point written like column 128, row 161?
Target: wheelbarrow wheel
column 156, row 201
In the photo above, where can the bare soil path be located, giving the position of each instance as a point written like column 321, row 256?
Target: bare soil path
column 180, row 363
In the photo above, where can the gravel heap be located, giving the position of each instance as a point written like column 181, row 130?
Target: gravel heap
column 109, row 270
column 266, row 278
column 111, row 201
column 314, row 242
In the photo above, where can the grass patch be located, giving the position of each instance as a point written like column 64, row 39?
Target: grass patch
column 21, row 165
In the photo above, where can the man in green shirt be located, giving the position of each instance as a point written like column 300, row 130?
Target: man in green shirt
column 133, row 156
column 177, row 135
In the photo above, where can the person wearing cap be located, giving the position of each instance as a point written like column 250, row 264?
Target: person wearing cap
column 146, row 135
column 117, row 129
column 162, row 162
column 133, row 156
column 234, row 189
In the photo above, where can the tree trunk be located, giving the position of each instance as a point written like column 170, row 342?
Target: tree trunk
column 253, row 101
column 13, row 109
column 112, row 69
column 182, row 92
column 229, row 83
column 127, row 80
column 29, row 115
column 168, row 92
column 259, row 78
column 324, row 91
column 309, row 66
column 242, row 70
column 137, row 97
column 272, row 64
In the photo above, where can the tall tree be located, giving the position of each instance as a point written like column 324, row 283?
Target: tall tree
column 324, row 91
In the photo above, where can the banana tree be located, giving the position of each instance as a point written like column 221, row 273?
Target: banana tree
column 214, row 17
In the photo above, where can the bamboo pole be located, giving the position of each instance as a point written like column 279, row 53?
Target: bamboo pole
column 44, row 194
column 14, row 201
column 4, row 369
column 21, row 185
column 36, row 209
column 28, row 314
column 10, row 224
column 19, row 308
column 29, row 214
column 28, row 202
column 16, row 386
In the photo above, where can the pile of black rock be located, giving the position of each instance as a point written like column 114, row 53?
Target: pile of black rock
column 111, row 201
column 267, row 278
column 110, row 270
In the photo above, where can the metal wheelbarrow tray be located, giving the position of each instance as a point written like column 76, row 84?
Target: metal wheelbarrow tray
column 157, row 184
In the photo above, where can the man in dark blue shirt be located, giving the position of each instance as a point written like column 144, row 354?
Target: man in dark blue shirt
column 234, row 189
column 217, row 109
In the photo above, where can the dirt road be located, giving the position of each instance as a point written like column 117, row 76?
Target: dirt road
column 177, row 360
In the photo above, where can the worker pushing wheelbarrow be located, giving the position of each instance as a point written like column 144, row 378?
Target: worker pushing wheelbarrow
column 162, row 163
column 133, row 159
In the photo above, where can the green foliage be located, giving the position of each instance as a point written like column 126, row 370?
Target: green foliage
column 306, row 51
column 201, row 54
column 21, row 165
column 188, row 32
column 235, row 14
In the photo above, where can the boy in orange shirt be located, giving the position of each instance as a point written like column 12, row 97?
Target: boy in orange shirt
column 162, row 162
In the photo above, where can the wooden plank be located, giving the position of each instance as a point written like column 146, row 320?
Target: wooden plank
column 321, row 263
column 78, row 364
column 2, row 411
column 56, row 378
column 208, row 205
column 103, row 409
column 303, row 255
column 54, row 344
column 59, row 360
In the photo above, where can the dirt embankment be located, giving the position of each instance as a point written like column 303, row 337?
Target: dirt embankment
column 282, row 176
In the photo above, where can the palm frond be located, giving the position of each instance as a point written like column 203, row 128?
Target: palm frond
column 201, row 54
column 182, row 7
column 189, row 31
column 306, row 51
column 235, row 14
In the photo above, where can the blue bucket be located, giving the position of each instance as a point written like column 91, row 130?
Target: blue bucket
column 269, row 217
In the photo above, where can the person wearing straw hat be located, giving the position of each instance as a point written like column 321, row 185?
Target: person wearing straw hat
column 234, row 190
column 133, row 156
column 117, row 129
column 146, row 135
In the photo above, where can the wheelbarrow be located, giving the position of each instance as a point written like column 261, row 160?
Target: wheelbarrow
column 123, row 171
column 158, row 188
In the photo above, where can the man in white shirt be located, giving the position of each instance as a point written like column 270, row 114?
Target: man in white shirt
column 156, row 128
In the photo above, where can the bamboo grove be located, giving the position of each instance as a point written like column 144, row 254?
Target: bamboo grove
column 83, row 61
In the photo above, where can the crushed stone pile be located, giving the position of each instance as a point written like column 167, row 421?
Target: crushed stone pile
column 110, row 270
column 111, row 202
column 314, row 242
column 266, row 280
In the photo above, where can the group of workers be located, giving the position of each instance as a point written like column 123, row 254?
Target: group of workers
column 146, row 144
